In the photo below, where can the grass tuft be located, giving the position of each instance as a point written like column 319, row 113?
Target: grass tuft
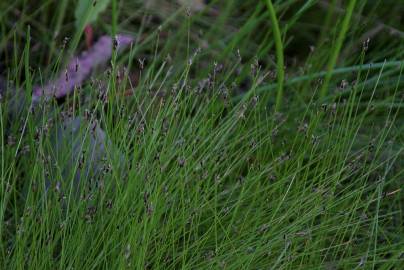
column 197, row 148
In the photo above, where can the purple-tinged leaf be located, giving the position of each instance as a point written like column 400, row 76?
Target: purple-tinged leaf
column 80, row 68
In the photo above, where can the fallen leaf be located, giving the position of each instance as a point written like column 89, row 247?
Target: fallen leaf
column 79, row 68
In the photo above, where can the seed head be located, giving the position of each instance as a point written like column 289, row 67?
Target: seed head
column 366, row 44
column 181, row 162
column 11, row 140
column 343, row 85
column 141, row 63
column 127, row 252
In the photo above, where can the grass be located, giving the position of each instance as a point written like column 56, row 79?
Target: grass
column 335, row 52
column 279, row 54
column 210, row 161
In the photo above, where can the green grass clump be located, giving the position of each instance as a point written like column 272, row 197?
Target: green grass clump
column 209, row 161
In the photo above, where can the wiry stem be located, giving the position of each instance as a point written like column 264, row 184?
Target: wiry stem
column 333, row 60
column 279, row 54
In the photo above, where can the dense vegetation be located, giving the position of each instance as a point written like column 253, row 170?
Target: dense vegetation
column 229, row 135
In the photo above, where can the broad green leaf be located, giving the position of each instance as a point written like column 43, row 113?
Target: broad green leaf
column 87, row 11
